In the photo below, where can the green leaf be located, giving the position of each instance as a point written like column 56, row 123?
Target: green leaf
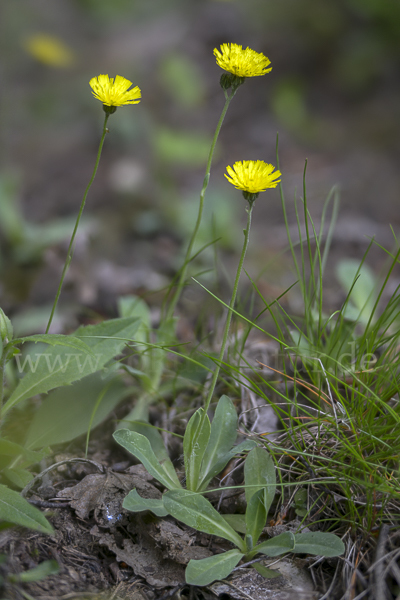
column 205, row 571
column 56, row 340
column 30, row 457
column 256, row 514
column 18, row 477
column 196, row 511
column 59, row 366
column 278, row 545
column 266, row 572
column 136, row 503
column 319, row 543
column 67, row 412
column 237, row 522
column 157, row 445
column 140, row 447
column 46, row 568
column 194, row 445
column 15, row 509
column 245, row 446
column 259, row 472
column 223, row 435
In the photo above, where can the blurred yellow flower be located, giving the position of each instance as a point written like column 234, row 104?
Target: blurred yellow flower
column 252, row 176
column 49, row 50
column 242, row 63
column 114, row 93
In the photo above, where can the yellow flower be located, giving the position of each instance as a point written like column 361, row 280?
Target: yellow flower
column 252, row 176
column 114, row 93
column 49, row 50
column 242, row 63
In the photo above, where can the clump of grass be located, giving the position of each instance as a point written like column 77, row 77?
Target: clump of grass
column 334, row 384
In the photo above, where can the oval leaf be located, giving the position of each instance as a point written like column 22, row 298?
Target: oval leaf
column 223, row 434
column 259, row 472
column 319, row 543
column 207, row 570
column 278, row 545
column 136, row 503
column 140, row 447
column 256, row 515
column 197, row 512
column 194, row 445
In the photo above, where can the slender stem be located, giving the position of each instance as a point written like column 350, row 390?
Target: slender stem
column 71, row 244
column 182, row 275
column 2, row 368
column 229, row 315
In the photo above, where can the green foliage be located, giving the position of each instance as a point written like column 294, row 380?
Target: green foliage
column 15, row 509
column 57, row 369
column 68, row 411
column 207, row 449
column 149, row 347
column 140, row 447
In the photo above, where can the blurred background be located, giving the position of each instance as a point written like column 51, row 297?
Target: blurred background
column 333, row 95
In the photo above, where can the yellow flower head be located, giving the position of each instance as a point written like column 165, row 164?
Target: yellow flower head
column 114, row 93
column 242, row 63
column 252, row 176
column 49, row 50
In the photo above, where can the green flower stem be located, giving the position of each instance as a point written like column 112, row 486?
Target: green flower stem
column 229, row 315
column 2, row 368
column 71, row 244
column 182, row 276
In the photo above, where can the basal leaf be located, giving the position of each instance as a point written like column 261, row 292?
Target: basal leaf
column 223, row 435
column 157, row 444
column 140, row 447
column 194, row 445
column 256, row 515
column 59, row 366
column 18, row 477
column 266, row 572
column 205, row 571
column 8, row 448
column 245, row 446
column 278, row 545
column 237, row 522
column 67, row 412
column 15, row 509
column 259, row 472
column 196, row 511
column 319, row 543
column 136, row 503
